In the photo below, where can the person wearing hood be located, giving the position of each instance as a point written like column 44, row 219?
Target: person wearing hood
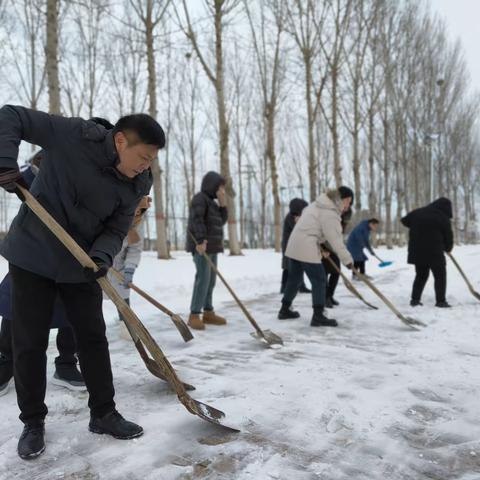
column 358, row 240
column 127, row 260
column 430, row 235
column 295, row 211
column 91, row 182
column 320, row 222
column 207, row 216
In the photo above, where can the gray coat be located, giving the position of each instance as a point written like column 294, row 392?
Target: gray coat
column 78, row 185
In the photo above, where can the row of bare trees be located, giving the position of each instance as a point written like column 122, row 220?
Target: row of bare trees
column 285, row 97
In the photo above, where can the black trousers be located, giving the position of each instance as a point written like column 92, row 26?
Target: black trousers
column 65, row 343
column 33, row 298
column 332, row 274
column 439, row 272
column 360, row 266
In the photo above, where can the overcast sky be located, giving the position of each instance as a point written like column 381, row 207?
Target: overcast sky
column 463, row 21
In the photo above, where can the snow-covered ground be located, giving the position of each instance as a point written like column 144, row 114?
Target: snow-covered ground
column 370, row 399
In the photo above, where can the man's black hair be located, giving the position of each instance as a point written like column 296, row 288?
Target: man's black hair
column 102, row 121
column 374, row 220
column 146, row 128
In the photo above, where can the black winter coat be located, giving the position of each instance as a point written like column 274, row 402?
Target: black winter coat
column 295, row 210
column 430, row 233
column 78, row 185
column 206, row 218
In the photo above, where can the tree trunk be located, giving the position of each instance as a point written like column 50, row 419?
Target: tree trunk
column 51, row 57
column 162, row 248
column 337, row 165
column 224, row 133
column 312, row 164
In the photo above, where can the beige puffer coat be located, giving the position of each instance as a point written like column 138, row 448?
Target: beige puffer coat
column 320, row 222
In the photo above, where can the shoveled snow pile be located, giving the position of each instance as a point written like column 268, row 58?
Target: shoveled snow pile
column 370, row 399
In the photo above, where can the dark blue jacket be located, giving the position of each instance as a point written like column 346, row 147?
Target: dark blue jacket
column 59, row 316
column 359, row 239
column 78, row 185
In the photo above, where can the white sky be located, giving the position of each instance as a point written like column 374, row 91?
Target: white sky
column 463, row 20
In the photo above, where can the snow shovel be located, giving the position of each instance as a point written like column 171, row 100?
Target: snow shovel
column 462, row 273
column 182, row 327
column 409, row 321
column 206, row 412
column 266, row 336
column 349, row 284
column 382, row 263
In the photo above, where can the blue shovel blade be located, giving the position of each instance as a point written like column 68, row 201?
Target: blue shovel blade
column 384, row 264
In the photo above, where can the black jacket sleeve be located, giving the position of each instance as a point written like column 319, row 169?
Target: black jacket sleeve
column 39, row 128
column 447, row 233
column 288, row 226
column 198, row 226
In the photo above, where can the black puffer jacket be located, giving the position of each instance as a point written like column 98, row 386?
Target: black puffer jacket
column 206, row 218
column 295, row 210
column 430, row 233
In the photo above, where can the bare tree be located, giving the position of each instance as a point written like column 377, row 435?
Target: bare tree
column 51, row 56
column 218, row 11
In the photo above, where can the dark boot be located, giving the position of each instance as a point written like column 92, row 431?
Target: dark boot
column 67, row 375
column 6, row 373
column 328, row 303
column 334, row 302
column 320, row 320
column 443, row 304
column 416, row 303
column 32, row 440
column 115, row 425
column 286, row 312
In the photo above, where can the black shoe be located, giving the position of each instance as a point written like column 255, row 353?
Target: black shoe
column 67, row 375
column 286, row 312
column 304, row 289
column 115, row 425
column 32, row 440
column 416, row 303
column 6, row 374
column 444, row 304
column 320, row 320
column 334, row 302
column 328, row 302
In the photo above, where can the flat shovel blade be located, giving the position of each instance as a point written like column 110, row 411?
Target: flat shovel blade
column 269, row 338
column 385, row 264
column 182, row 327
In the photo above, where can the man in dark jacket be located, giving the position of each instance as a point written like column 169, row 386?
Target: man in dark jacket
column 66, row 371
column 91, row 181
column 205, row 235
column 429, row 237
column 295, row 210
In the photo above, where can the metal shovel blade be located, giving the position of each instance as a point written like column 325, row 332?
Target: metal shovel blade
column 182, row 327
column 154, row 369
column 412, row 322
column 206, row 412
column 268, row 337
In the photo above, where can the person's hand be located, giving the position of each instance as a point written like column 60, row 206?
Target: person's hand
column 9, row 177
column 201, row 248
column 325, row 253
column 349, row 266
column 91, row 275
column 222, row 196
column 128, row 277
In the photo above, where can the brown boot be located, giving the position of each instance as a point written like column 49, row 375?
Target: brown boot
column 209, row 317
column 195, row 322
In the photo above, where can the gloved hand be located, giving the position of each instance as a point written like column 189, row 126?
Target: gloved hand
column 101, row 272
column 8, row 178
column 128, row 277
column 349, row 266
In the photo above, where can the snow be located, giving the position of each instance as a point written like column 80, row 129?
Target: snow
column 370, row 399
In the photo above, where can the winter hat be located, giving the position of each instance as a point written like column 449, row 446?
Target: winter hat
column 345, row 192
column 444, row 205
column 296, row 206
